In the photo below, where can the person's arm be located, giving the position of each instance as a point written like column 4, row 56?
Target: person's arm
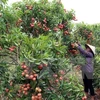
column 82, row 51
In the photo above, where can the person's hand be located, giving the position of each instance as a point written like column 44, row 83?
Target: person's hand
column 76, row 44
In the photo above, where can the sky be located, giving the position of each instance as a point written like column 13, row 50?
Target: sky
column 86, row 11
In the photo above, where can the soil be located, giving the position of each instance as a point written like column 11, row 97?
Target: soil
column 97, row 96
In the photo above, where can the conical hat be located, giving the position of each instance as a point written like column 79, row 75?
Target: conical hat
column 91, row 47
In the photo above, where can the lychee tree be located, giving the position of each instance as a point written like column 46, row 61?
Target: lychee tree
column 3, row 3
column 37, row 51
column 43, row 17
column 34, row 65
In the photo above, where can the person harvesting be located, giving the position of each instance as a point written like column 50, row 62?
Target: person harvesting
column 87, row 69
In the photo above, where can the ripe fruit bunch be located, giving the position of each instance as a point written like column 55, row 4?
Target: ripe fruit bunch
column 24, row 88
column 37, row 95
column 72, row 49
column 85, row 33
column 57, row 77
column 28, row 73
column 41, row 66
column 88, row 34
column 62, row 26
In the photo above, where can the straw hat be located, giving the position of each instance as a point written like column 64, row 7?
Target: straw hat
column 91, row 47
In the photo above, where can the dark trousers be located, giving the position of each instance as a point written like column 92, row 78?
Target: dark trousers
column 88, row 85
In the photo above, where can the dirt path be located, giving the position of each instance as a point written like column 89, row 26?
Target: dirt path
column 97, row 97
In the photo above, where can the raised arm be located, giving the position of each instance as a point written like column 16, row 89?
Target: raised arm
column 84, row 52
